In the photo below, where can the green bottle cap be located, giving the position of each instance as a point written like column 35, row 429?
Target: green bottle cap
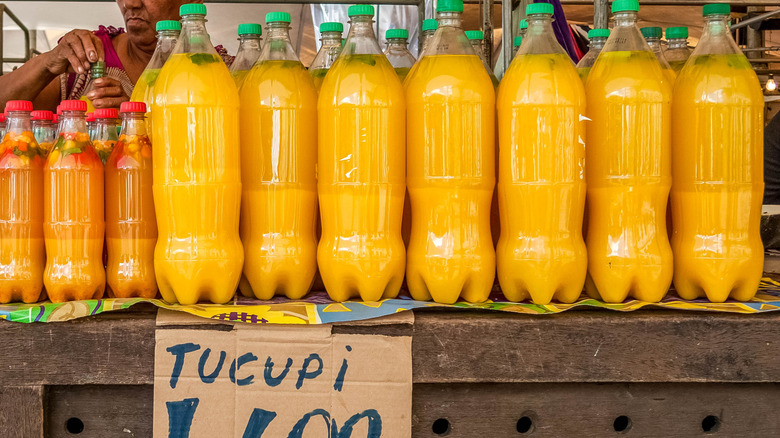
column 360, row 10
column 598, row 33
column 676, row 32
column 539, row 8
column 430, row 24
column 277, row 17
column 331, row 26
column 651, row 32
column 250, row 29
column 168, row 25
column 192, row 9
column 396, row 33
column 523, row 24
column 716, row 9
column 449, row 6
column 518, row 41
column 475, row 35
column 625, row 5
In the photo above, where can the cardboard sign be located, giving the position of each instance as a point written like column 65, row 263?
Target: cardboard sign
column 241, row 380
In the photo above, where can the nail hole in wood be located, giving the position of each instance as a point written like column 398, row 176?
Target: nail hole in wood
column 441, row 427
column 622, row 424
column 525, row 425
column 74, row 425
column 710, row 423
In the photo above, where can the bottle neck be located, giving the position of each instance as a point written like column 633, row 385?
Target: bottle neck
column 73, row 121
column 540, row 36
column 716, row 37
column 278, row 46
column 715, row 25
column 249, row 42
column 597, row 43
column 477, row 45
column 449, row 19
column 105, row 129
column 133, row 124
column 18, row 122
column 98, row 73
column 677, row 43
column 331, row 39
column 361, row 39
column 654, row 43
column 396, row 44
column 625, row 19
column 194, row 37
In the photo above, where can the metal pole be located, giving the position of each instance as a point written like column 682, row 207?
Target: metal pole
column 601, row 14
column 487, row 29
column 420, row 19
column 756, row 19
column 507, row 32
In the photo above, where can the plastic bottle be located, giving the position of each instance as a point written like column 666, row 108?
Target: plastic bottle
column 167, row 36
column 397, row 52
column 451, row 167
column 105, row 137
column 249, row 49
column 518, row 41
column 21, row 208
column 73, row 223
column 628, row 158
column 677, row 51
column 597, row 38
column 653, row 37
column 477, row 40
column 97, row 71
column 361, row 169
column 131, row 227
column 197, row 174
column 44, row 129
column 717, row 144
column 278, row 159
column 3, row 124
column 541, row 254
column 429, row 27
column 91, row 125
column 329, row 51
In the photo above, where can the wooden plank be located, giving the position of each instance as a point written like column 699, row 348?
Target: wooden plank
column 104, row 411
column 593, row 410
column 21, row 411
column 596, row 346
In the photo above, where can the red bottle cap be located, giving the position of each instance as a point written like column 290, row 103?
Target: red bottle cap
column 18, row 105
column 73, row 105
column 42, row 115
column 2, row 117
column 90, row 117
column 106, row 113
column 132, row 107
column 59, row 110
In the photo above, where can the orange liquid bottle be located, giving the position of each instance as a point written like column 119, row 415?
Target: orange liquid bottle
column 131, row 226
column 73, row 226
column 21, row 208
column 105, row 136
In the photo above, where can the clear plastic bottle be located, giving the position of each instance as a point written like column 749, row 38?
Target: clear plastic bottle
column 167, row 36
column 628, row 158
column 451, row 121
column 477, row 40
column 21, row 208
column 653, row 37
column 3, row 124
column 279, row 208
column 197, row 170
column 397, row 52
column 97, row 71
column 329, row 50
column 429, row 27
column 518, row 41
column 597, row 38
column 541, row 254
column 677, row 51
column 717, row 161
column 249, row 50
column 73, row 222
column 91, row 124
column 105, row 136
column 131, row 227
column 361, row 169
column 44, row 129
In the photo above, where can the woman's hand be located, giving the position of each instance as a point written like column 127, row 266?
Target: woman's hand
column 75, row 52
column 107, row 93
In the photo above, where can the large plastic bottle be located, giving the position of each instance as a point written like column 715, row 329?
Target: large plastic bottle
column 477, row 40
column 429, row 27
column 44, row 129
column 628, row 158
column 361, row 169
column 329, row 51
column 451, row 167
column 73, row 223
column 197, row 173
column 167, row 36
column 397, row 52
column 677, row 51
column 21, row 208
column 541, row 254
column 653, row 37
column 249, row 50
column 131, row 227
column 597, row 38
column 105, row 136
column 278, row 159
column 718, row 181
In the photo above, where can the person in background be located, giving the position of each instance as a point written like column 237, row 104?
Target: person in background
column 772, row 161
column 63, row 72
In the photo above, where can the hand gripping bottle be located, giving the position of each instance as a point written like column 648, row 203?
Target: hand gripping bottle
column 197, row 174
column 597, row 37
column 167, row 36
column 451, row 167
column 131, row 227
column 717, row 164
column 541, row 103
column 397, row 52
column 97, row 71
column 278, row 159
column 361, row 169
column 429, row 27
column 73, row 224
column 653, row 37
column 105, row 137
column 628, row 158
column 329, row 51
column 677, row 51
column 44, row 129
column 477, row 40
column 249, row 39
column 21, row 208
